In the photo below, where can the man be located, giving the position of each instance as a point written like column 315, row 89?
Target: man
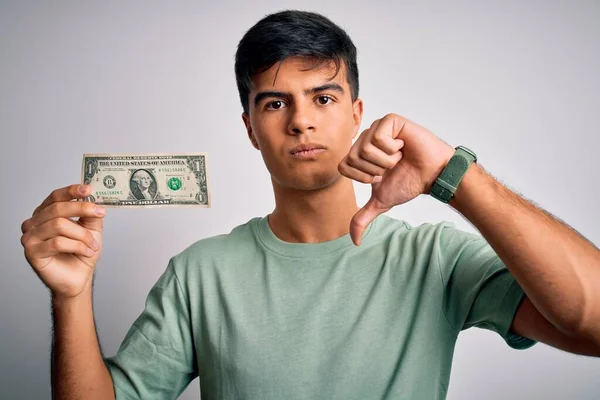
column 141, row 185
column 321, row 299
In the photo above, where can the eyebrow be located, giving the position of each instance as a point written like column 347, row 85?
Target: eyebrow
column 329, row 86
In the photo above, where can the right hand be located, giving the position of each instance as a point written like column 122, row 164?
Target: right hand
column 62, row 251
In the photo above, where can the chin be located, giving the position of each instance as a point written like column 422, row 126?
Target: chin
column 309, row 182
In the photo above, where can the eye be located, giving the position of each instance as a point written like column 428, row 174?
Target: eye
column 324, row 100
column 275, row 105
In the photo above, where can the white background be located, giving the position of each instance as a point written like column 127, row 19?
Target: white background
column 515, row 81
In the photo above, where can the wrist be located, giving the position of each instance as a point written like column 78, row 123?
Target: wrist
column 70, row 302
column 441, row 166
column 446, row 184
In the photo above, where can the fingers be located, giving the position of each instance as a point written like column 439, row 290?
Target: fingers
column 93, row 223
column 384, row 134
column 88, row 212
column 357, row 168
column 58, row 245
column 375, row 152
column 374, row 156
column 66, row 193
column 59, row 227
column 353, row 173
column 379, row 149
column 365, row 166
column 386, row 143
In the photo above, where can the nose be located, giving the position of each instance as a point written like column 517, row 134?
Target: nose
column 301, row 119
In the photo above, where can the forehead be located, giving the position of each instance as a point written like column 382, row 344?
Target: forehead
column 301, row 72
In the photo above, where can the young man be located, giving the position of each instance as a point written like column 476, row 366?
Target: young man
column 321, row 299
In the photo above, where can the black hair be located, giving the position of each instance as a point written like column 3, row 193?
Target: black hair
column 293, row 33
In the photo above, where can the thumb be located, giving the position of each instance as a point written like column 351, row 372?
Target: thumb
column 363, row 218
column 94, row 223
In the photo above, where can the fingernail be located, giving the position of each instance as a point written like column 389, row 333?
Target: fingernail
column 100, row 211
column 378, row 178
column 81, row 189
column 95, row 245
column 90, row 252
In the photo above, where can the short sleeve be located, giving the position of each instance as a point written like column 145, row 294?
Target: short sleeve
column 478, row 288
column 157, row 358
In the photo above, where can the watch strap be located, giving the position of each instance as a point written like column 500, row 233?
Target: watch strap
column 446, row 184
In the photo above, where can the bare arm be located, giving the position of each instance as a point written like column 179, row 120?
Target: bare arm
column 78, row 370
column 528, row 322
column 558, row 269
column 63, row 252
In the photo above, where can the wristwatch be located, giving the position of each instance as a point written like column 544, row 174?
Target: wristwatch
column 445, row 185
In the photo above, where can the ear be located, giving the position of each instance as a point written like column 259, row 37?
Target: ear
column 357, row 114
column 246, row 119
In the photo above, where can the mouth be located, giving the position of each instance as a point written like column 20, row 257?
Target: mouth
column 307, row 149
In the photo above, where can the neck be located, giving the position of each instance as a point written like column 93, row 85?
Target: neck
column 302, row 216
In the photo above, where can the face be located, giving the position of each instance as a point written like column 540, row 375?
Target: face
column 143, row 179
column 303, row 122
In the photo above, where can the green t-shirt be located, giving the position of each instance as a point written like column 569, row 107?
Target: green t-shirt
column 258, row 318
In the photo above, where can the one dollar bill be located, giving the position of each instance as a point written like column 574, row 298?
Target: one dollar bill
column 147, row 180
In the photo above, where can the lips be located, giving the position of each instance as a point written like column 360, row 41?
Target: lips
column 306, row 147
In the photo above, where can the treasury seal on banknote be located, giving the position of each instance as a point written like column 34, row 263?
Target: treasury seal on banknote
column 147, row 180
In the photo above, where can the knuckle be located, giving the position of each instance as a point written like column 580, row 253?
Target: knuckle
column 58, row 243
column 54, row 195
column 343, row 167
column 380, row 141
column 378, row 136
column 352, row 157
column 354, row 163
column 25, row 225
column 377, row 139
column 58, row 224
column 366, row 151
column 54, row 209
column 28, row 254
column 24, row 240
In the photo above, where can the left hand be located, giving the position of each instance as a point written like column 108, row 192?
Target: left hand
column 400, row 159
